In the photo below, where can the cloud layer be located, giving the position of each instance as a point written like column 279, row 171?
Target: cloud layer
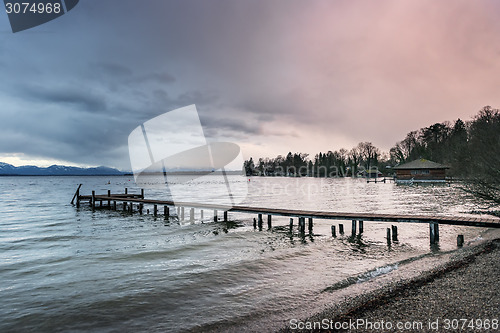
column 272, row 76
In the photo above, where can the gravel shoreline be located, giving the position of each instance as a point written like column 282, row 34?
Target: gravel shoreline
column 466, row 287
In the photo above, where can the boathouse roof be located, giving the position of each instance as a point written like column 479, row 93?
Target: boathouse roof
column 421, row 164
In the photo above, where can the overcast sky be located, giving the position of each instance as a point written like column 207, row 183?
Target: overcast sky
column 272, row 76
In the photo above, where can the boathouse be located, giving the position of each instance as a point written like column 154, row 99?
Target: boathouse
column 421, row 170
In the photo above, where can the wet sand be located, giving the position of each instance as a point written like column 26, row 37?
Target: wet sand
column 461, row 295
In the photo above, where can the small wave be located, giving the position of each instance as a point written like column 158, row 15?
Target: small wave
column 376, row 272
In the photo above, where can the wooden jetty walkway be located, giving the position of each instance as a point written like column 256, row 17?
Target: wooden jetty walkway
column 128, row 200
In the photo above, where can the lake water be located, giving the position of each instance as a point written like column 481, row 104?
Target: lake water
column 69, row 269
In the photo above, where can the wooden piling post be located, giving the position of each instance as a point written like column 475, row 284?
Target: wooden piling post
column 131, row 208
column 77, row 196
column 109, row 202
column 201, row 215
column 394, row 233
column 215, row 215
column 182, row 213
column 225, row 216
column 254, row 223
column 142, row 193
column 341, row 229
column 166, row 212
column 100, row 203
column 361, row 227
column 460, row 240
column 310, row 224
column 178, row 211
column 126, row 190
column 155, row 210
column 124, row 206
column 93, row 199
column 191, row 215
column 269, row 223
column 259, row 216
column 354, row 227
column 114, row 205
column 302, row 224
column 388, row 235
column 291, row 223
column 141, row 207
column 434, row 232
column 334, row 232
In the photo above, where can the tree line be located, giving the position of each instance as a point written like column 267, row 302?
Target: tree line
column 470, row 148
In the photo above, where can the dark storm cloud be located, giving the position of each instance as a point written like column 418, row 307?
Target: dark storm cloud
column 68, row 96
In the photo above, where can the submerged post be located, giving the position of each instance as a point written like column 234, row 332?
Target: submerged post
column 142, row 193
column 291, row 223
column 354, row 227
column 254, row 223
column 269, row 224
column 201, row 215
column 341, row 229
column 215, row 215
column 361, row 229
column 93, row 199
column 334, row 233
column 114, row 205
column 394, row 233
column 310, row 224
column 259, row 216
column 124, row 206
column 109, row 202
column 131, row 208
column 141, row 207
column 460, row 240
column 155, row 210
column 388, row 235
column 225, row 216
column 166, row 212
column 191, row 215
column 182, row 213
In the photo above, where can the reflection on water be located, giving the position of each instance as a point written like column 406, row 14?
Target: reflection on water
column 64, row 268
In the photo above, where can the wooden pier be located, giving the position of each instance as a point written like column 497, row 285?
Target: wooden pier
column 128, row 200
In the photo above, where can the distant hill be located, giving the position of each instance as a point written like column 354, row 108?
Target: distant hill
column 56, row 170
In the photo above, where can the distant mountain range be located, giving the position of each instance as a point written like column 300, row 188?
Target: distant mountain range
column 56, row 170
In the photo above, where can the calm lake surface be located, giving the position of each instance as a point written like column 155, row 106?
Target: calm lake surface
column 69, row 269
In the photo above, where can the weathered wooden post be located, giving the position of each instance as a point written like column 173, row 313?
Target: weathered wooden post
column 269, row 223
column 394, row 233
column 259, row 216
column 109, row 202
column 78, row 197
column 114, row 205
column 131, row 208
column 155, row 210
column 124, row 206
column 334, row 233
column 225, row 216
column 388, row 235
column 191, row 215
column 141, row 206
column 100, row 203
column 166, row 212
column 341, row 229
column 215, row 215
column 291, row 223
column 182, row 213
column 434, row 232
column 142, row 193
column 460, row 240
column 178, row 211
column 126, row 190
column 254, row 223
column 361, row 227
column 93, row 199
column 201, row 215
column 310, row 224
column 354, row 227
column 302, row 224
